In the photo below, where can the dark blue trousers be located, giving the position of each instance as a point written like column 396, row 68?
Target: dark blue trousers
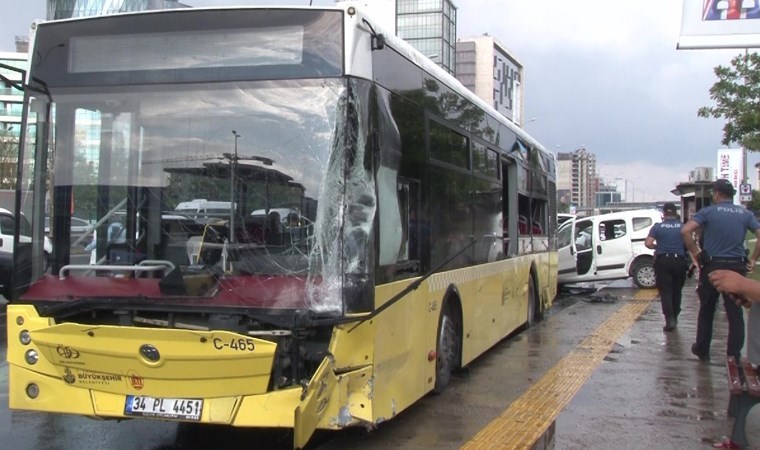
column 708, row 301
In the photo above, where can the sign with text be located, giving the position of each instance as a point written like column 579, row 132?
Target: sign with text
column 731, row 167
column 720, row 24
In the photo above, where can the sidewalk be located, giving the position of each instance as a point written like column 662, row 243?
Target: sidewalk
column 651, row 392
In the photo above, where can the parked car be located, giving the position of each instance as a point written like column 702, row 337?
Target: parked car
column 7, row 224
column 78, row 227
column 607, row 247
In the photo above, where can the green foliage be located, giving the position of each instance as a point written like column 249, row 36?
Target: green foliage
column 754, row 205
column 737, row 98
column 8, row 158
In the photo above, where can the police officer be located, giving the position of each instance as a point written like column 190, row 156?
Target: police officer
column 670, row 263
column 723, row 226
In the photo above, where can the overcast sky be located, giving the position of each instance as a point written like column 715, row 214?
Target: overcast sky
column 598, row 73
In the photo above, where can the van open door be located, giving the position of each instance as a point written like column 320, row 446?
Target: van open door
column 566, row 252
column 314, row 402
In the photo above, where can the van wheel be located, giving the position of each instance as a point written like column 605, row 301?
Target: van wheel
column 447, row 350
column 643, row 274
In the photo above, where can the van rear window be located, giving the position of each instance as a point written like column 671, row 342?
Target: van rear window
column 639, row 223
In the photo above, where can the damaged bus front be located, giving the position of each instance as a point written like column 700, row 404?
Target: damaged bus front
column 231, row 318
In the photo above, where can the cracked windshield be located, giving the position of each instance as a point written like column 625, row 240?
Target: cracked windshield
column 218, row 187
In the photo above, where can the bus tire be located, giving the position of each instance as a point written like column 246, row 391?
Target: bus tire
column 534, row 315
column 447, row 349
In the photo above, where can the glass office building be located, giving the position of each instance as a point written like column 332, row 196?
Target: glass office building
column 88, row 138
column 65, row 9
column 431, row 27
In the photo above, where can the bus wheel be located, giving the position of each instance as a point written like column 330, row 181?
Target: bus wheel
column 533, row 313
column 447, row 350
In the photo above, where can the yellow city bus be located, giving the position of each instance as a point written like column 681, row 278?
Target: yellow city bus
column 380, row 228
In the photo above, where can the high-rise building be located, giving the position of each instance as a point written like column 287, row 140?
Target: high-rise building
column 487, row 68
column 11, row 98
column 430, row 26
column 66, row 9
column 11, row 105
column 576, row 174
column 605, row 195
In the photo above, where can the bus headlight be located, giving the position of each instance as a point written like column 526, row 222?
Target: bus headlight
column 25, row 337
column 32, row 390
column 31, row 356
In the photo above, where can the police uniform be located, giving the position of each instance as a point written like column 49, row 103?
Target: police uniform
column 724, row 227
column 670, row 265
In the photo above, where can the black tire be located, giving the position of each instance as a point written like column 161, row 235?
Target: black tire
column 447, row 349
column 534, row 313
column 643, row 274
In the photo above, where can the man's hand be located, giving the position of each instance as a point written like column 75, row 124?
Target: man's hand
column 733, row 285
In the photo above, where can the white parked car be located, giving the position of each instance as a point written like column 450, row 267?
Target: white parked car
column 7, row 223
column 607, row 247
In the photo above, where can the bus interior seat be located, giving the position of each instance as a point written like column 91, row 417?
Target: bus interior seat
column 537, row 228
column 522, row 225
column 253, row 231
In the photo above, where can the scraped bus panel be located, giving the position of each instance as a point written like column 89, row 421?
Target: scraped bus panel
column 283, row 202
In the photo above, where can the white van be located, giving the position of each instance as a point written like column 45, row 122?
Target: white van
column 607, row 247
column 201, row 209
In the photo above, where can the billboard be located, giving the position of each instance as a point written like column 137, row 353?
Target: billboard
column 731, row 167
column 720, row 24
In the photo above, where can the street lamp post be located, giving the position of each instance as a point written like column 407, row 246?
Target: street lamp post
column 233, row 167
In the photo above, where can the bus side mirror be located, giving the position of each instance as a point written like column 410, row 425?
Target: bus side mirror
column 378, row 41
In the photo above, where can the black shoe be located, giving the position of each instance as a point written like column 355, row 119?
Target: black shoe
column 701, row 356
column 670, row 325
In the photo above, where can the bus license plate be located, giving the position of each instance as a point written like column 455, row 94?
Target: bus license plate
column 169, row 408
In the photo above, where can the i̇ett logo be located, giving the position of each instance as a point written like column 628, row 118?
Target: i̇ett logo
column 67, row 352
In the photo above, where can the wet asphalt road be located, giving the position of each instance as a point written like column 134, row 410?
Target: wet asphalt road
column 649, row 393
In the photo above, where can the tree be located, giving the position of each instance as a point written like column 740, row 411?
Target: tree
column 8, row 158
column 737, row 98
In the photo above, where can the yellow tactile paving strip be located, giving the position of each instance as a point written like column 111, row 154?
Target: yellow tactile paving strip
column 528, row 417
